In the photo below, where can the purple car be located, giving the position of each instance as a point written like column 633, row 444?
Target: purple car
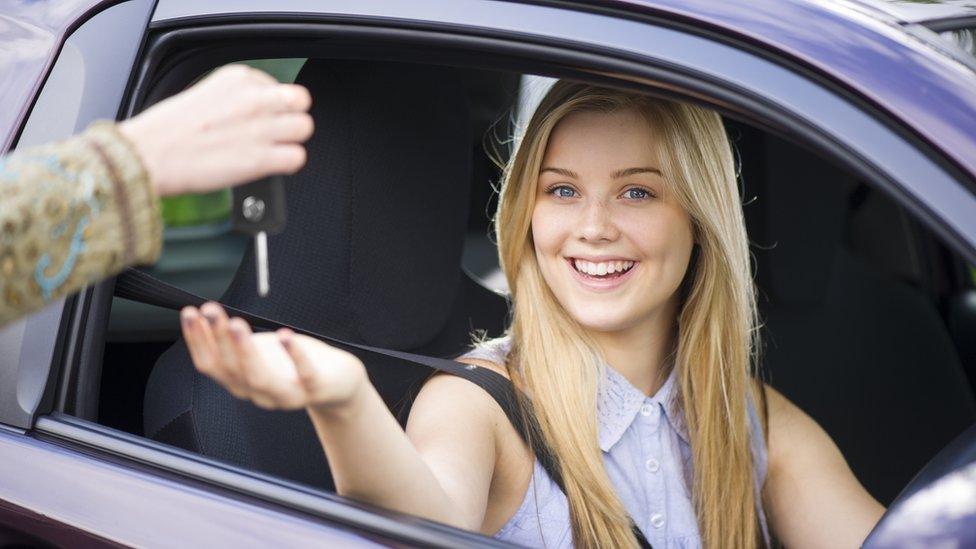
column 854, row 127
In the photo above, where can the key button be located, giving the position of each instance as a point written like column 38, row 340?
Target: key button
column 657, row 520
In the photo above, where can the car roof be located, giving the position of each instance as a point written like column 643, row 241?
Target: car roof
column 897, row 68
column 858, row 44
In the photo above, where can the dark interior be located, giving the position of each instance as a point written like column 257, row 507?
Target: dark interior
column 866, row 314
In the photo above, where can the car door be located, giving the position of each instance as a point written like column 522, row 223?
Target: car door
column 52, row 494
column 187, row 490
column 86, row 82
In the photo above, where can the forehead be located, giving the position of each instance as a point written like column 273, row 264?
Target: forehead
column 602, row 139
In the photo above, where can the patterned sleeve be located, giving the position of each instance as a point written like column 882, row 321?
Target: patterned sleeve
column 72, row 213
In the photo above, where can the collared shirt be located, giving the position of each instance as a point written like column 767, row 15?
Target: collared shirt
column 648, row 459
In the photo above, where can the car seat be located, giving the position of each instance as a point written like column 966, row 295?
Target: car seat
column 866, row 354
column 371, row 254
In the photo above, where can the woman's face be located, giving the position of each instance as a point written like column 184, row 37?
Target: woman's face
column 612, row 243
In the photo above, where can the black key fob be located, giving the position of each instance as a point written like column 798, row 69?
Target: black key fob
column 259, row 206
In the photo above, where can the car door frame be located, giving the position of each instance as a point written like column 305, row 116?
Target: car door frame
column 555, row 36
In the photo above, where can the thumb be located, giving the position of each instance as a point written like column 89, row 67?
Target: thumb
column 308, row 374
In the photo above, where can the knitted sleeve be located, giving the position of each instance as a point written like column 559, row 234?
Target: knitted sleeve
column 71, row 213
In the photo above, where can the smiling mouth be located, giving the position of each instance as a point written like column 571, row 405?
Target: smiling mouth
column 603, row 270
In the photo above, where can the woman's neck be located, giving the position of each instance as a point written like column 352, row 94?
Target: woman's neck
column 641, row 353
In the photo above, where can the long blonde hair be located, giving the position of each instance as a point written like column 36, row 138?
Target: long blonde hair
column 554, row 361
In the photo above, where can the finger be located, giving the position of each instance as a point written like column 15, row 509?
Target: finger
column 307, row 373
column 292, row 127
column 204, row 352
column 296, row 97
column 201, row 355
column 259, row 75
column 227, row 360
column 273, row 99
column 283, row 159
column 258, row 375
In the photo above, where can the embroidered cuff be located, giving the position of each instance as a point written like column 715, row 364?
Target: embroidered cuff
column 139, row 207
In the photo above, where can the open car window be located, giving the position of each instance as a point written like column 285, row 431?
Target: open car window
column 850, row 281
column 837, row 246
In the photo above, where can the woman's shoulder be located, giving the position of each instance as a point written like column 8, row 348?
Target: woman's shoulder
column 459, row 398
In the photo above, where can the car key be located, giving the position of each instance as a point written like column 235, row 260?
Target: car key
column 259, row 210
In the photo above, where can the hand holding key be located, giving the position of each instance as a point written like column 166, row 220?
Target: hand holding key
column 274, row 370
column 236, row 125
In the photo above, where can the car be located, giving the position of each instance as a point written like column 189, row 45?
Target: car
column 854, row 125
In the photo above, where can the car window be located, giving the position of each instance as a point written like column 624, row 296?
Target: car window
column 836, row 257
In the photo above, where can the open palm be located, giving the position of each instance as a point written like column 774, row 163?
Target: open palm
column 275, row 370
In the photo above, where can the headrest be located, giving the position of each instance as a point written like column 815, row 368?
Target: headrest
column 805, row 205
column 376, row 219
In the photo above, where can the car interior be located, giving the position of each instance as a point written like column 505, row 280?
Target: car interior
column 867, row 317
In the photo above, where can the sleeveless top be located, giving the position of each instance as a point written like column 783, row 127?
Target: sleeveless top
column 648, row 459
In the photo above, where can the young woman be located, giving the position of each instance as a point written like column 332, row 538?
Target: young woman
column 634, row 330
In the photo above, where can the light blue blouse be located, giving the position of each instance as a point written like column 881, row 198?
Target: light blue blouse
column 647, row 456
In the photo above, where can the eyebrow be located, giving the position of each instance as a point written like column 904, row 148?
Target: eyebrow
column 615, row 175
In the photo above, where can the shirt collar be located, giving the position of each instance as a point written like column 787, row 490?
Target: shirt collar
column 619, row 402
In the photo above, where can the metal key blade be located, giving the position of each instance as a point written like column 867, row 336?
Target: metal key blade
column 261, row 258
column 259, row 210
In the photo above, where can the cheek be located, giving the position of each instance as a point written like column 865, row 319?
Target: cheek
column 549, row 230
column 665, row 235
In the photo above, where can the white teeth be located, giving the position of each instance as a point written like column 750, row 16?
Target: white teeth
column 602, row 268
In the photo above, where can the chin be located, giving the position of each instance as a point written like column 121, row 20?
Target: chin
column 601, row 321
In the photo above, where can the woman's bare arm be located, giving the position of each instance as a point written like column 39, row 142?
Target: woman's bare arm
column 814, row 498
column 441, row 471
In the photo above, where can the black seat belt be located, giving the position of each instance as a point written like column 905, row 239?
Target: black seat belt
column 139, row 286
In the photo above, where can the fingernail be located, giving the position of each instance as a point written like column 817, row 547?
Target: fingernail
column 210, row 316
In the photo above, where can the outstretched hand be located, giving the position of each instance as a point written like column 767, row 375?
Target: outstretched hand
column 274, row 370
column 236, row 125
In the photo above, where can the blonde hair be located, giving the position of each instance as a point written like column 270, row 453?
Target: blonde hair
column 558, row 365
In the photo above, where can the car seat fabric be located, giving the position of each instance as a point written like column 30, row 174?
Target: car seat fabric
column 865, row 354
column 371, row 254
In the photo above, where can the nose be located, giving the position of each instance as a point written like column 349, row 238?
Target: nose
column 597, row 223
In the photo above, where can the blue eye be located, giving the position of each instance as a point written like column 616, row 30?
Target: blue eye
column 561, row 191
column 636, row 194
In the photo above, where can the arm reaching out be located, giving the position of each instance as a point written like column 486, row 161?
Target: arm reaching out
column 442, row 471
